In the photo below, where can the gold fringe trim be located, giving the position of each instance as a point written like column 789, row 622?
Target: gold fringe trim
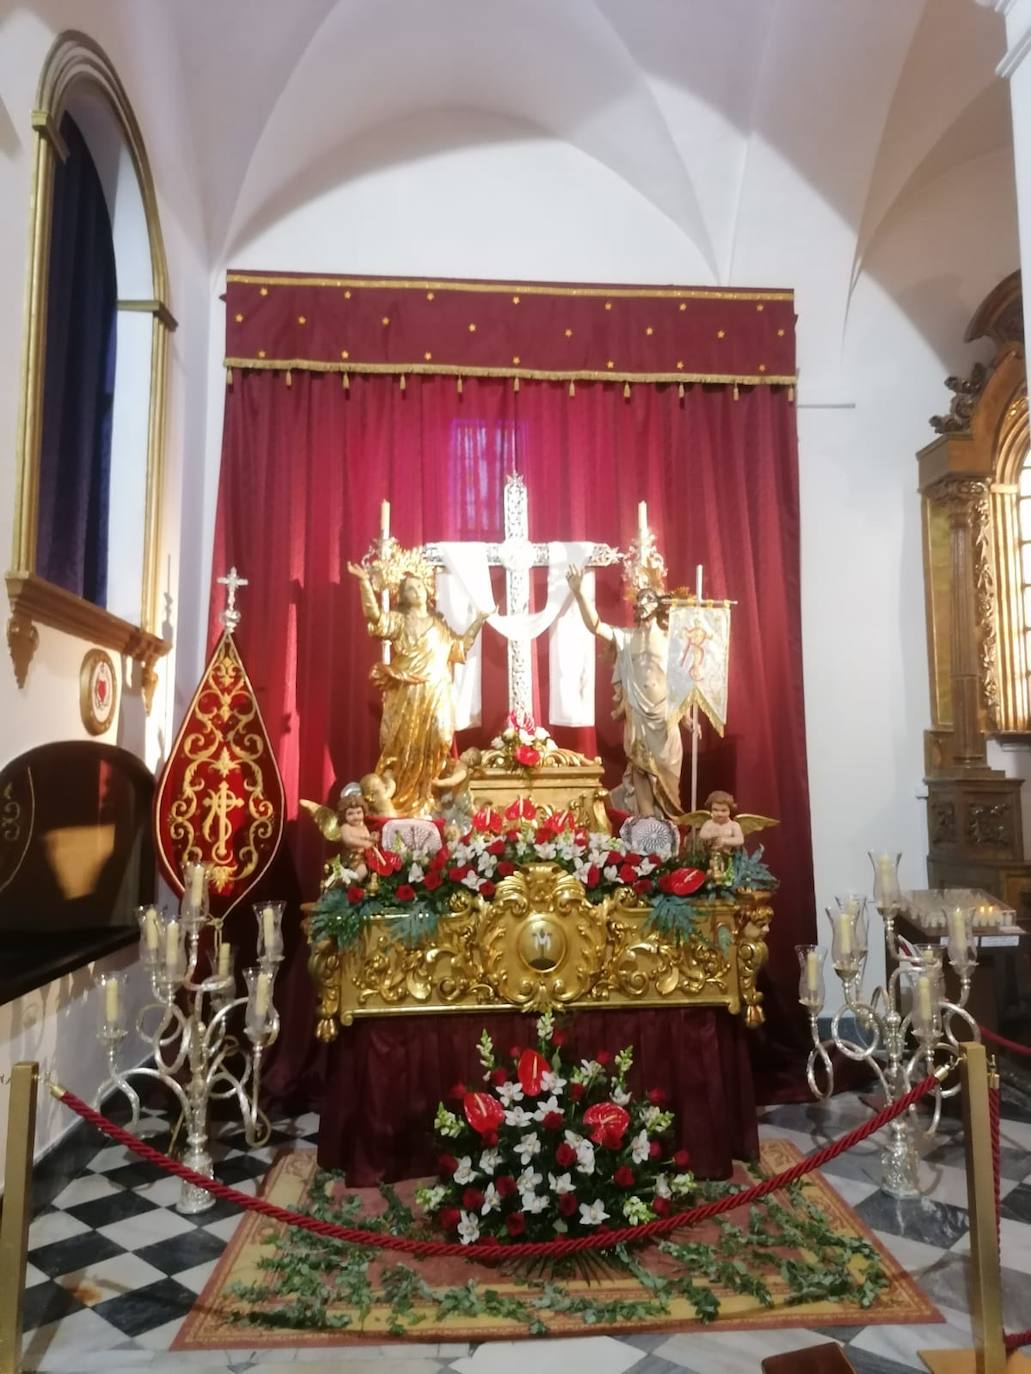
column 531, row 374
column 670, row 293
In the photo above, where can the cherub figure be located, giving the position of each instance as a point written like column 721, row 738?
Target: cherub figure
column 346, row 826
column 377, row 792
column 723, row 828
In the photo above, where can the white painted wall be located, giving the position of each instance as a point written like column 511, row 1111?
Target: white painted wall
column 54, row 1024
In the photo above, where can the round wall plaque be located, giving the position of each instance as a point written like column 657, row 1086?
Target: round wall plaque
column 98, row 691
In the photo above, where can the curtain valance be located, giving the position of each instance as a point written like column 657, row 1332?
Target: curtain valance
column 534, row 330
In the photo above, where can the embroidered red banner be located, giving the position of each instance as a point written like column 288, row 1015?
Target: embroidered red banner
column 535, row 330
column 220, row 799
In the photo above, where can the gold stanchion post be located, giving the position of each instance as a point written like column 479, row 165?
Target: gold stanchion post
column 989, row 1353
column 14, row 1222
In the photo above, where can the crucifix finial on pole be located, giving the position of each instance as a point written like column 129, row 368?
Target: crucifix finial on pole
column 232, row 581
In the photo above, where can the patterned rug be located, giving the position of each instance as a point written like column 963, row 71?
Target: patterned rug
column 214, row 1323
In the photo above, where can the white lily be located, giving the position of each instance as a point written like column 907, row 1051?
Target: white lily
column 585, row 1157
column 551, row 1082
column 533, row 1204
column 489, row 1160
column 528, row 1179
column 662, row 1188
column 465, row 1173
column 472, row 881
column 562, row 1184
column 620, row 1096
column 591, row 1215
column 416, row 873
column 518, row 1116
column 509, row 1093
column 546, row 1105
column 468, row 1228
column 528, row 1146
column 491, row 1200
column 546, row 850
column 640, row 1148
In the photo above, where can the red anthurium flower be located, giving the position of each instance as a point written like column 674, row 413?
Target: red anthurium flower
column 684, row 881
column 404, row 892
column 483, row 1112
column 516, row 1224
column 514, row 810
column 378, row 862
column 448, row 1218
column 528, row 809
column 565, row 1155
column 608, row 1123
column 567, row 1204
column 681, row 1159
column 355, row 894
column 506, row 1184
column 531, row 1069
column 472, row 1199
column 660, row 1206
column 623, row 1177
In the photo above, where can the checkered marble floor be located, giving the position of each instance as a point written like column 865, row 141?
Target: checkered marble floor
column 113, row 1268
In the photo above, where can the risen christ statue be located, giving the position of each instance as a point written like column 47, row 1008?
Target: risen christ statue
column 651, row 740
column 418, row 723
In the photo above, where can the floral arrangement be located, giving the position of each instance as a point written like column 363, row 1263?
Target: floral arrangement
column 420, row 886
column 523, row 743
column 549, row 1150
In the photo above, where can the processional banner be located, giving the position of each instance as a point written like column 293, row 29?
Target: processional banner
column 699, row 660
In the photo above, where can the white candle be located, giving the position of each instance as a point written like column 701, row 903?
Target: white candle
column 196, row 885
column 886, row 867
column 843, row 922
column 111, row 1001
column 642, row 522
column 172, row 946
column 150, row 930
column 384, row 519
column 812, row 972
column 924, row 1006
column 262, row 994
column 225, row 954
column 268, row 929
column 958, row 928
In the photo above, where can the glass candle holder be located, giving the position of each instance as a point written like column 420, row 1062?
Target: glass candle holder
column 152, row 936
column 887, row 894
column 845, row 951
column 925, row 1009
column 223, row 973
column 269, row 916
column 194, row 905
column 172, row 965
column 259, row 1001
column 810, row 982
column 111, row 1004
column 961, row 944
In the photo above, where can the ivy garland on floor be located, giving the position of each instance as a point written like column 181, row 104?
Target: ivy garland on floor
column 308, row 1277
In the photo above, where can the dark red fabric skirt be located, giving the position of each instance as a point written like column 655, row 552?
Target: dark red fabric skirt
column 385, row 1076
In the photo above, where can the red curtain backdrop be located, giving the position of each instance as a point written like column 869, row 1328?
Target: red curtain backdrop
column 307, row 460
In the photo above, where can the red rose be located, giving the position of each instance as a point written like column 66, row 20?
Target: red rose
column 457, row 1092
column 432, row 881
column 644, row 887
column 565, row 1155
column 448, row 1219
column 483, row 1112
column 567, row 1204
column 355, row 894
column 553, row 1121
column 499, row 1076
column 660, row 1206
column 558, row 1038
column 576, row 1091
column 447, row 1165
column 654, row 1150
column 404, row 892
column 658, row 1097
column 487, row 889
column 682, row 1159
column 472, row 1199
column 603, row 1057
column 627, row 874
column 532, row 1068
column 440, row 859
column 613, row 859
column 593, row 876
column 457, row 873
column 516, row 1224
column 506, row 1185
column 489, row 1137
column 496, row 847
column 515, row 1051
column 505, row 869
column 623, row 1177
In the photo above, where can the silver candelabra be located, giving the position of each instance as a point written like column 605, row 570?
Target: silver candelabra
column 907, row 1028
column 187, row 1024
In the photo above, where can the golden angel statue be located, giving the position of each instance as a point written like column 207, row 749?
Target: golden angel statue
column 345, row 826
column 722, row 826
column 651, row 740
column 417, row 727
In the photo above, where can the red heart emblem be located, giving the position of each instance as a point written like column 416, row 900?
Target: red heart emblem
column 101, row 689
column 483, row 1112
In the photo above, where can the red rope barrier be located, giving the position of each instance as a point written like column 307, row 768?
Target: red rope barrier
column 993, row 1115
column 602, row 1240
column 994, row 1038
column 1015, row 1341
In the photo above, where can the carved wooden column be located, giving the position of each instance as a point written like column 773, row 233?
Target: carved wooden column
column 968, row 741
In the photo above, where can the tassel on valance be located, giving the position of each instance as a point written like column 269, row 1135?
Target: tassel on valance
column 626, row 391
column 737, row 394
column 345, row 381
column 402, row 382
column 458, row 386
column 289, row 377
column 229, row 376
column 515, row 383
column 572, row 388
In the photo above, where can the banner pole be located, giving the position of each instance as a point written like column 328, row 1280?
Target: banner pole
column 695, row 728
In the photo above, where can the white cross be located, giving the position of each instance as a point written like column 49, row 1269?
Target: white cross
column 517, row 555
column 230, row 617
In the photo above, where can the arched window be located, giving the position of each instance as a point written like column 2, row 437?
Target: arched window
column 92, row 415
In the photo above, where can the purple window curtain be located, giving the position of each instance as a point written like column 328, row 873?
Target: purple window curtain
column 79, row 377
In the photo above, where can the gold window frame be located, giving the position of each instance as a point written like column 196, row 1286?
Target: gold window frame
column 74, row 62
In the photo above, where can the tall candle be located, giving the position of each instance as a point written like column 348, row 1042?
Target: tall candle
column 642, row 522
column 384, row 519
column 262, row 994
column 843, row 922
column 150, row 930
column 111, row 1001
column 196, row 885
column 225, row 954
column 268, row 929
column 812, row 972
column 172, row 945
column 958, row 928
column 924, row 1005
